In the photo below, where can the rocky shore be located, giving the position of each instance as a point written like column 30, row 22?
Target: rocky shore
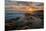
column 28, row 21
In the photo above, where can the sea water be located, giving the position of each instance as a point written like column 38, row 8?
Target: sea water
column 13, row 15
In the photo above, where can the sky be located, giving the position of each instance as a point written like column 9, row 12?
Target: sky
column 13, row 6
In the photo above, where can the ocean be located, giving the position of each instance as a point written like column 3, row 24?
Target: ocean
column 13, row 15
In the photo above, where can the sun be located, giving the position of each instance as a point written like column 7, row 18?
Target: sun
column 30, row 9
